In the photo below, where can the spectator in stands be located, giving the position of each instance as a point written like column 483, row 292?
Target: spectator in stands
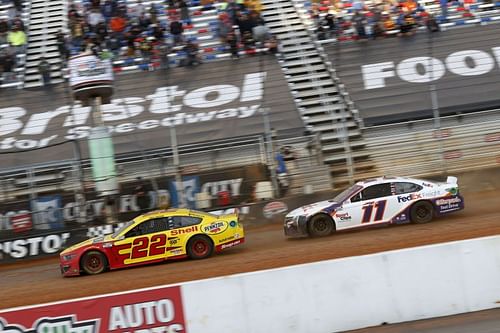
column 138, row 10
column 94, row 19
column 253, row 5
column 118, row 25
column 146, row 48
column 260, row 34
column 62, row 46
column 7, row 62
column 431, row 23
column 44, row 71
column 232, row 9
column 407, row 24
column 245, row 24
column 4, row 30
column 17, row 39
column 331, row 24
column 163, row 52
column 18, row 6
column 77, row 31
column 142, row 195
column 184, row 8
column 225, row 26
column 108, row 10
column 192, row 56
column 247, row 41
column 176, row 30
column 444, row 10
column 388, row 22
column 17, row 21
column 153, row 14
column 144, row 22
column 232, row 41
column 113, row 43
column 359, row 21
column 281, row 173
column 272, row 44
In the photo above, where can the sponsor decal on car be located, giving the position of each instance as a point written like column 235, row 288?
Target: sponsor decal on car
column 215, row 227
column 449, row 204
column 184, row 231
column 343, row 217
column 225, row 246
column 409, row 197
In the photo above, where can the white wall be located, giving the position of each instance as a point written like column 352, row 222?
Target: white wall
column 350, row 293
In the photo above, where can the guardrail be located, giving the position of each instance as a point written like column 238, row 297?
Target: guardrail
column 388, row 287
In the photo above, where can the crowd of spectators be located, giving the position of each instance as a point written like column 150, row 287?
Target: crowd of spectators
column 378, row 19
column 12, row 39
column 111, row 29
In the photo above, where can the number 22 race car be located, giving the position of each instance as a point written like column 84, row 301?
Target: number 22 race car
column 376, row 201
column 154, row 237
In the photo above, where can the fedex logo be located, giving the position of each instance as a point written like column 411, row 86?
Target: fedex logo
column 409, row 197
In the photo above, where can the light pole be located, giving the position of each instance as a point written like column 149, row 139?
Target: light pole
column 179, row 185
column 435, row 107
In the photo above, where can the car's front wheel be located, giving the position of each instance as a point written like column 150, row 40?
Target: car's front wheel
column 320, row 225
column 94, row 262
column 421, row 212
column 200, row 247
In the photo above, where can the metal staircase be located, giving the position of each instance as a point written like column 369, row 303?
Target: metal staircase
column 47, row 18
column 319, row 95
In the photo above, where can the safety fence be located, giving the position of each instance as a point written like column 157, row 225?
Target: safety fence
column 221, row 176
column 423, row 148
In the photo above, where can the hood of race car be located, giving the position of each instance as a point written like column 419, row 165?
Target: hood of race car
column 322, row 206
column 87, row 243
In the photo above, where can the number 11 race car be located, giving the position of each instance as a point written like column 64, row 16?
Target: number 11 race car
column 387, row 200
column 154, row 237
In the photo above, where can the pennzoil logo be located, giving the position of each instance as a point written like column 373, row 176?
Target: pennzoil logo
column 215, row 228
column 66, row 324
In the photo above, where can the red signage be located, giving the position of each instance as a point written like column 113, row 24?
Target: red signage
column 21, row 222
column 145, row 311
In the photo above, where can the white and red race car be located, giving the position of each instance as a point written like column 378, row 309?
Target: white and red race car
column 386, row 200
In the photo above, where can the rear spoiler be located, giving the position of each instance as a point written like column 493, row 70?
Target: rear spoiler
column 451, row 180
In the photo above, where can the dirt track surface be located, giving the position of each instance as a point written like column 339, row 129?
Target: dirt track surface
column 39, row 281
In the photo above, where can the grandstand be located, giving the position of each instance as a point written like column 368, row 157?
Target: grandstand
column 311, row 85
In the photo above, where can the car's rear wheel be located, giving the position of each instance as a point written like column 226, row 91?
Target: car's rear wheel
column 94, row 262
column 320, row 225
column 200, row 247
column 421, row 212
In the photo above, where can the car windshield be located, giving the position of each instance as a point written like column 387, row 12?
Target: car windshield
column 123, row 227
column 347, row 193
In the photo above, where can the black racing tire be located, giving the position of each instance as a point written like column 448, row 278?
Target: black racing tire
column 199, row 247
column 93, row 262
column 422, row 212
column 320, row 225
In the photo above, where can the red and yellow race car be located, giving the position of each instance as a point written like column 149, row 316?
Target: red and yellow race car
column 154, row 237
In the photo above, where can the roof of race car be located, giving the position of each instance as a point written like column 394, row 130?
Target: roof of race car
column 385, row 179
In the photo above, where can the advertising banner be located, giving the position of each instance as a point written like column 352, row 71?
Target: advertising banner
column 58, row 211
column 47, row 212
column 31, row 246
column 87, row 69
column 391, row 79
column 215, row 101
column 145, row 311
